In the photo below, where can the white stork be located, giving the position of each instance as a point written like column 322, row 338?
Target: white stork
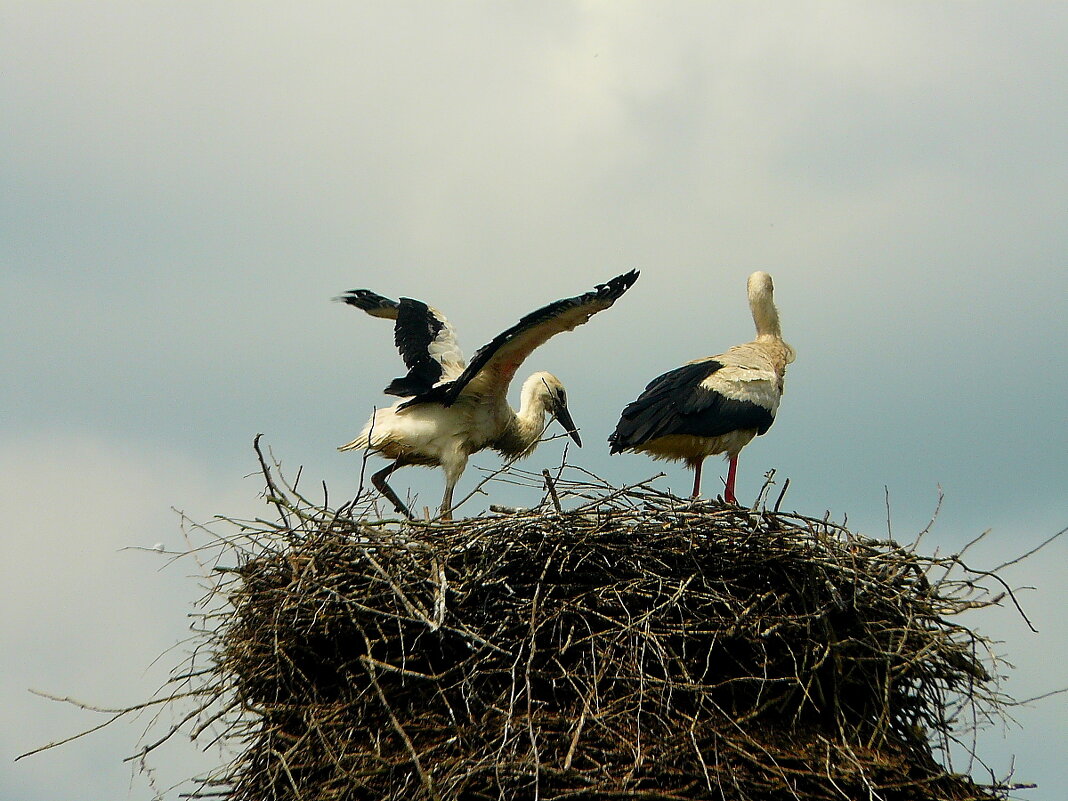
column 716, row 404
column 450, row 411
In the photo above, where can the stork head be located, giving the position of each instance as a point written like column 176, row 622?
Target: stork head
column 760, row 286
column 762, row 304
column 554, row 397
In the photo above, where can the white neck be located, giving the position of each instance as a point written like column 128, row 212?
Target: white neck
column 762, row 305
column 767, row 321
column 530, row 419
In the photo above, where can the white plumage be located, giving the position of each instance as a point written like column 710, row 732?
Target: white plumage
column 716, row 404
column 451, row 411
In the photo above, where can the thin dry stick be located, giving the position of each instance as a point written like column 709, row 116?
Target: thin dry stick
column 115, row 715
column 782, row 494
column 552, row 491
column 274, row 495
column 1031, row 552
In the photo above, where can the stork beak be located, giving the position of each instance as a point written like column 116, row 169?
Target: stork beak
column 564, row 416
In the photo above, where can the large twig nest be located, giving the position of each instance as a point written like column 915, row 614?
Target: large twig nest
column 635, row 647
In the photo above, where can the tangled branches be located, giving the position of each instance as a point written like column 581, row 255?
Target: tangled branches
column 636, row 646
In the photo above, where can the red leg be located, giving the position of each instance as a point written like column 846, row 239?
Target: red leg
column 732, row 471
column 696, row 478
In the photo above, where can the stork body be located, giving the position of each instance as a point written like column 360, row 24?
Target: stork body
column 448, row 410
column 714, row 405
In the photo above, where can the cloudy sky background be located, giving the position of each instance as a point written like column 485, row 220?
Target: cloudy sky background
column 184, row 186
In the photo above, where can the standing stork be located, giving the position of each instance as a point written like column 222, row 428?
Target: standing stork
column 716, row 404
column 452, row 411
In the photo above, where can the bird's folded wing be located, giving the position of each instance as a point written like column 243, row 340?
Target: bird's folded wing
column 704, row 398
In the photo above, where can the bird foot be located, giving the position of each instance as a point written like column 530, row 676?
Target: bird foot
column 398, row 504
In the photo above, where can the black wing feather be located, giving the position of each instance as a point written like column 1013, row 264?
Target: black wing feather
column 417, row 327
column 447, row 393
column 371, row 302
column 676, row 403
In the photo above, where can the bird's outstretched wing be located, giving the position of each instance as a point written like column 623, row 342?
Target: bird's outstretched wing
column 493, row 365
column 704, row 398
column 425, row 339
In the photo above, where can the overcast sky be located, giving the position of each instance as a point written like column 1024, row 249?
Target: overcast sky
column 184, row 186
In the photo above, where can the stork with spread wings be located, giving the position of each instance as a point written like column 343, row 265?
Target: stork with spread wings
column 448, row 410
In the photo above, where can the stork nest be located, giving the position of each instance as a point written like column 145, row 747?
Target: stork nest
column 636, row 646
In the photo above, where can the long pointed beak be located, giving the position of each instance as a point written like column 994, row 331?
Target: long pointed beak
column 564, row 416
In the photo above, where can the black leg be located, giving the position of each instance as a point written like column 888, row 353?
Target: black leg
column 379, row 480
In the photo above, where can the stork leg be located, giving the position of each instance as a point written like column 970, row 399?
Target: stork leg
column 454, row 466
column 696, row 465
column 446, row 502
column 732, row 470
column 379, row 480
